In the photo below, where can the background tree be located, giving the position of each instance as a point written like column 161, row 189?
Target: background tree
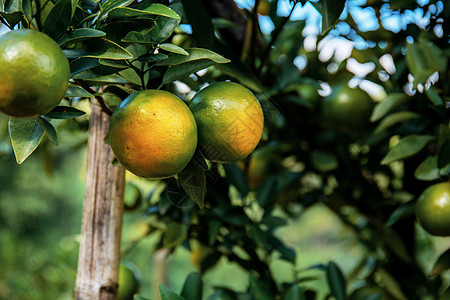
column 367, row 162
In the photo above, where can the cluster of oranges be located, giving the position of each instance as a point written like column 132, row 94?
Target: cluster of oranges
column 154, row 134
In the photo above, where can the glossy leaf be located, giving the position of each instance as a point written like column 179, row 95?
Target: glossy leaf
column 108, row 5
column 49, row 130
column 193, row 181
column 12, row 18
column 58, row 19
column 267, row 191
column 394, row 119
column 77, row 91
column 79, row 35
column 165, row 26
column 444, row 147
column 194, row 55
column 404, row 210
column 294, row 293
column 192, row 287
column 442, row 264
column 331, row 11
column 179, row 71
column 259, row 290
column 173, row 49
column 202, row 26
column 167, row 294
column 336, row 281
column 237, row 178
column 174, row 235
column 154, row 9
column 82, row 64
column 98, row 48
column 151, row 58
column 428, row 170
column 391, row 102
column 390, row 284
column 407, row 147
column 25, row 135
column 65, row 112
column 434, row 97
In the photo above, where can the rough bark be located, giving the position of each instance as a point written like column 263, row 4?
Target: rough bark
column 99, row 253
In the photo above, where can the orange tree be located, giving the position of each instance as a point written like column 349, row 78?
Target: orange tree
column 367, row 158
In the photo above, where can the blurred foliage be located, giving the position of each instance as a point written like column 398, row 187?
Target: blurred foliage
column 250, row 235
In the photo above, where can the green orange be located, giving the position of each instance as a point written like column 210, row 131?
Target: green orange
column 230, row 121
column 433, row 209
column 34, row 73
column 128, row 282
column 347, row 109
column 153, row 134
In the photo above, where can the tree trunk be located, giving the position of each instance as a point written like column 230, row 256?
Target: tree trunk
column 99, row 253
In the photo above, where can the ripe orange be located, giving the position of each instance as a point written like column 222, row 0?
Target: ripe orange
column 153, row 134
column 347, row 109
column 34, row 73
column 128, row 282
column 433, row 209
column 230, row 121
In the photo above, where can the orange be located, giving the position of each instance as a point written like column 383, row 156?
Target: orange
column 128, row 282
column 433, row 209
column 153, row 134
column 230, row 121
column 34, row 73
column 347, row 109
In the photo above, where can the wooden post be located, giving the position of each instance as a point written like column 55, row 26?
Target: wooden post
column 99, row 253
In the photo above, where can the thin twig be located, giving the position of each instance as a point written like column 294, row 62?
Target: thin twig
column 99, row 98
column 275, row 35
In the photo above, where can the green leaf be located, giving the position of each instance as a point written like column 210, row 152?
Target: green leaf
column 139, row 297
column 434, row 97
column 49, row 130
column 58, row 19
column 79, row 35
column 259, row 289
column 25, row 135
column 202, row 26
column 65, row 112
column 82, row 64
column 267, row 191
column 193, row 180
column 391, row 102
column 428, row 170
column 336, row 281
column 194, row 54
column 444, row 147
column 404, row 210
column 237, row 178
column 165, row 26
column 434, row 55
column 192, row 287
column 174, row 235
column 179, row 71
column 407, row 147
column 167, row 294
column 395, row 118
column 396, row 244
column 442, row 264
column 324, row 161
column 98, row 48
column 390, row 284
column 154, row 9
column 12, row 18
column 173, row 49
column 294, row 293
column 108, row 5
column 152, row 57
column 331, row 11
column 77, row 91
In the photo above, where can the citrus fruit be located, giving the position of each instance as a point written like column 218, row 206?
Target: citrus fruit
column 34, row 73
column 128, row 282
column 433, row 209
column 347, row 109
column 230, row 121
column 153, row 134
